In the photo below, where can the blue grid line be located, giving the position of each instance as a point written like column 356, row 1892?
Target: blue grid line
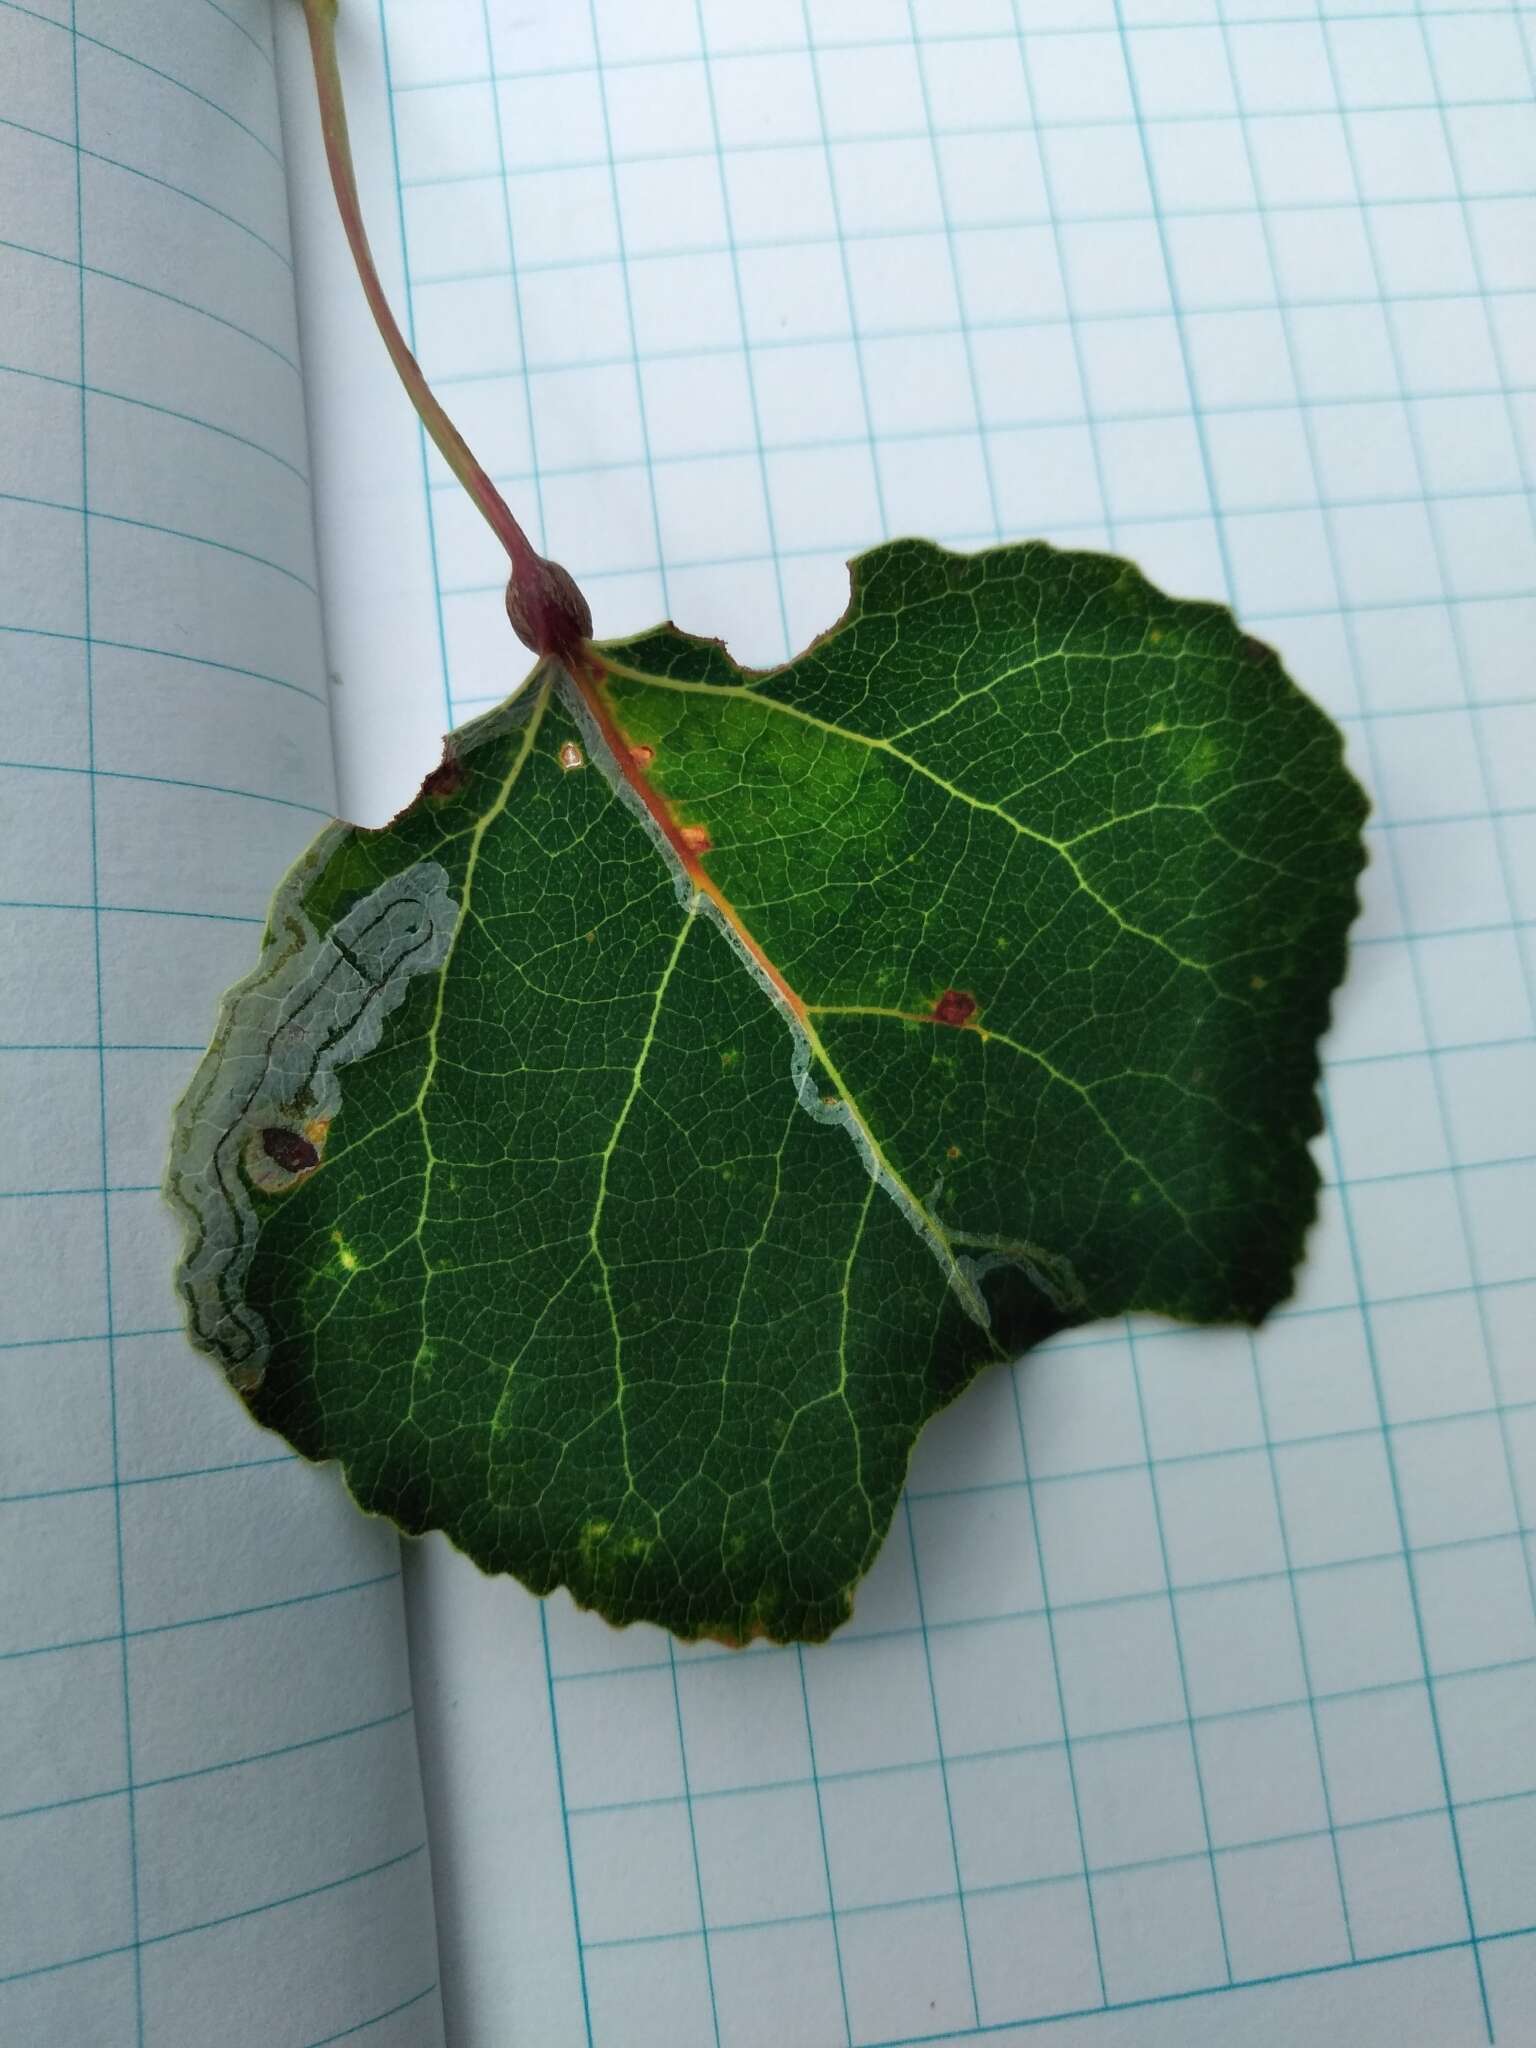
column 255, row 796
column 855, row 333
column 96, row 156
column 128, row 910
column 154, row 526
column 108, row 1045
column 902, row 437
column 147, row 1479
column 149, row 290
column 821, row 1834
column 936, row 36
column 79, row 35
column 1485, row 291
column 693, row 1842
column 1046, row 1745
column 313, row 1891
column 232, row 668
column 1060, row 1690
column 1415, row 969
column 979, row 537
column 847, row 1645
column 525, row 386
column 548, row 265
column 410, row 337
column 101, row 1065
column 1394, row 1479
column 633, row 360
column 91, row 1337
column 565, row 1822
column 778, row 146
column 1139, row 316
column 378, row 2019
column 1171, row 1998
column 162, row 1628
column 1431, row 503
column 255, row 42
column 962, row 311
column 168, row 412
column 1283, row 1524
column 1246, row 1449
column 1151, row 1464
column 1522, row 26
column 942, row 1759
column 234, row 1763
column 770, row 518
column 1059, row 1880
column 1478, row 739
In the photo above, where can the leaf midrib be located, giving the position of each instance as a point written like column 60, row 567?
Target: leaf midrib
column 1060, row 847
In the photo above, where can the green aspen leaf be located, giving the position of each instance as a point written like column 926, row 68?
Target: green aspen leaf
column 616, row 1160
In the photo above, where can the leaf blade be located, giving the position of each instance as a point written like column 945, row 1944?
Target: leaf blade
column 590, row 1272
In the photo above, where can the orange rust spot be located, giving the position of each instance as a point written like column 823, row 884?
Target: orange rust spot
column 955, row 1006
column 642, row 756
column 695, row 839
column 588, row 676
column 953, row 1152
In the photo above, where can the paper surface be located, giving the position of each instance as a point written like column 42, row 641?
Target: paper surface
column 1194, row 1694
column 211, row 1823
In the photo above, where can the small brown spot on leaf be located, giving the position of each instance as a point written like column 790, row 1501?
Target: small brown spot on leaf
column 953, row 1152
column 571, row 756
column 695, row 839
column 446, row 779
column 955, row 1006
column 1253, row 650
column 642, row 756
column 288, row 1149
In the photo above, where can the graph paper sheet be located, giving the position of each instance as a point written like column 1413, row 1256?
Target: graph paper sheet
column 210, row 1813
column 1195, row 1693
column 1194, row 1697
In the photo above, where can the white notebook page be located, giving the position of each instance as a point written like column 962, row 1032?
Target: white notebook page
column 1194, row 1696
column 211, row 1823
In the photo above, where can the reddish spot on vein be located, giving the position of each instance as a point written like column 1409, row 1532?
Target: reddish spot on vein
column 955, row 1006
column 694, row 839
